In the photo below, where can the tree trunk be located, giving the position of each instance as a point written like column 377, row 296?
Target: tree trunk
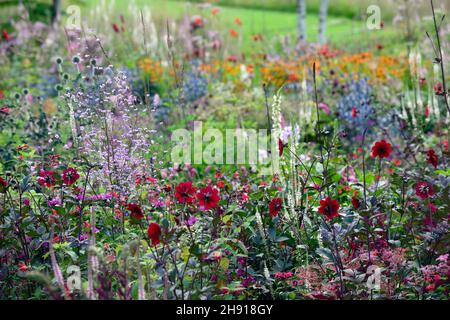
column 323, row 21
column 56, row 11
column 301, row 11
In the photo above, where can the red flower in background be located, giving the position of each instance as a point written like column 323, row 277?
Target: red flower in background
column 47, row 178
column 445, row 144
column 23, row 267
column 115, row 28
column 3, row 184
column 185, row 192
column 275, row 206
column 329, row 208
column 5, row 110
column 70, row 176
column 220, row 184
column 208, row 198
column 135, row 211
column 214, row 11
column 280, row 147
column 154, row 233
column 238, row 21
column 197, row 21
column 424, row 190
column 233, row 59
column 293, row 77
column 233, row 33
column 257, row 37
column 432, row 158
column 5, row 35
column 354, row 112
column 381, row 149
column 438, row 89
column 355, row 203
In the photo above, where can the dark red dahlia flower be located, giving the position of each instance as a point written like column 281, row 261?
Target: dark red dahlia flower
column 432, row 158
column 355, row 203
column 381, row 149
column 46, row 178
column 275, row 206
column 115, row 28
column 329, row 208
column 154, row 233
column 5, row 110
column 424, row 190
column 5, row 35
column 135, row 211
column 70, row 176
column 3, row 185
column 208, row 198
column 185, row 192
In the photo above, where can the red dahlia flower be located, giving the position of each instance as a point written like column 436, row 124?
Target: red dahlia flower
column 185, row 192
column 135, row 211
column 329, row 208
column 424, row 190
column 70, row 176
column 3, row 184
column 154, row 233
column 275, row 206
column 355, row 203
column 208, row 198
column 197, row 21
column 5, row 35
column 46, row 178
column 381, row 149
column 23, row 267
column 4, row 110
column 432, row 158
column 115, row 28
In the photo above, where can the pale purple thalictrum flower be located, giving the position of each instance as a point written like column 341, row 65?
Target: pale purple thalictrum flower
column 112, row 131
column 97, row 197
column 287, row 133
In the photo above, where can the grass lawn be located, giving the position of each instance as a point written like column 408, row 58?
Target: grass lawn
column 269, row 23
